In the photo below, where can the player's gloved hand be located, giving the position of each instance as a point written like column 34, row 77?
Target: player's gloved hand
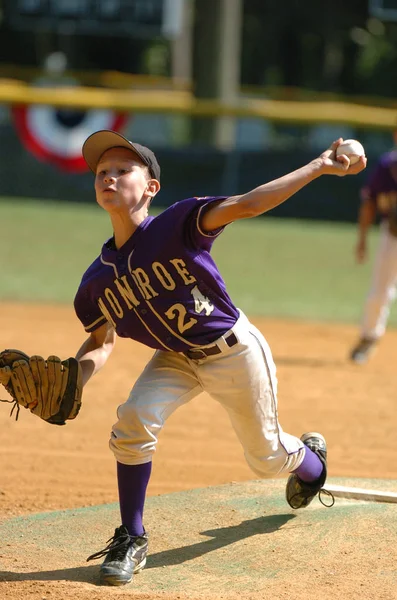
column 51, row 388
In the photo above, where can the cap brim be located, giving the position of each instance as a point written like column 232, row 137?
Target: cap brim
column 100, row 141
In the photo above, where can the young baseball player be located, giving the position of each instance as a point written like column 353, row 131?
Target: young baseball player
column 155, row 282
column 378, row 198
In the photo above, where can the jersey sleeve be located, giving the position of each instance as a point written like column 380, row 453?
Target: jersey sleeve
column 195, row 236
column 87, row 311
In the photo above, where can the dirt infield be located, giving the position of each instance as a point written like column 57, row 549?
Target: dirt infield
column 47, row 468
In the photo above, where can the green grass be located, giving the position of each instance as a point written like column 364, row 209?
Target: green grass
column 46, row 246
column 272, row 267
column 294, row 268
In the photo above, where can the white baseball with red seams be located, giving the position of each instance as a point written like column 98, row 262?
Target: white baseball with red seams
column 353, row 149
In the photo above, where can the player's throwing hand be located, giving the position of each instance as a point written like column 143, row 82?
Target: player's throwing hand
column 340, row 165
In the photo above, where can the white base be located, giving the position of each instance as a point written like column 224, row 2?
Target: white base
column 340, row 491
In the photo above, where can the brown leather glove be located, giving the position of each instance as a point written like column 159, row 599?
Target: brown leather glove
column 51, row 388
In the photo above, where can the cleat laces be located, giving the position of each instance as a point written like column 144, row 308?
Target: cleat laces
column 329, row 503
column 116, row 545
column 322, row 492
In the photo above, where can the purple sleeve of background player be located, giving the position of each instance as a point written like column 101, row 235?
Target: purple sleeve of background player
column 374, row 183
column 378, row 179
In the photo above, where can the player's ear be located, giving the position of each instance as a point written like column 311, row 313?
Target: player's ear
column 152, row 188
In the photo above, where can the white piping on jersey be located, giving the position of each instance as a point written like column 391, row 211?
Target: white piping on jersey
column 149, row 305
column 128, row 260
column 154, row 312
column 178, row 337
column 218, row 231
column 135, row 310
column 102, row 318
column 142, row 321
column 109, row 264
column 151, row 332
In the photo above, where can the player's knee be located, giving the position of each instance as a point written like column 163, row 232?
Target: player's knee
column 265, row 467
column 130, row 412
column 134, row 437
column 130, row 451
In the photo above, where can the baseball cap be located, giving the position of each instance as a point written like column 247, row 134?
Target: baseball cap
column 100, row 141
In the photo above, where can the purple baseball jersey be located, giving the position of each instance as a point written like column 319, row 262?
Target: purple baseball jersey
column 162, row 287
column 381, row 187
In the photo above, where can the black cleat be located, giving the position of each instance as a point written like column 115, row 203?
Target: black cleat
column 300, row 493
column 125, row 555
column 361, row 352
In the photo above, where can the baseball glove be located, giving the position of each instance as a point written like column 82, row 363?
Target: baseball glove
column 50, row 388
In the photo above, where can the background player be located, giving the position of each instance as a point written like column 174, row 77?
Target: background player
column 155, row 282
column 378, row 197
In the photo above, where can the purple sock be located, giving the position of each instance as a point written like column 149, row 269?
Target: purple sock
column 132, row 482
column 310, row 468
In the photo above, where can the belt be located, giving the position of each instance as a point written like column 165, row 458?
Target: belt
column 199, row 353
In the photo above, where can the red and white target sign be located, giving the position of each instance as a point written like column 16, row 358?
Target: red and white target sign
column 57, row 135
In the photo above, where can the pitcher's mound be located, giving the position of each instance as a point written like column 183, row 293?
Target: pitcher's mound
column 240, row 539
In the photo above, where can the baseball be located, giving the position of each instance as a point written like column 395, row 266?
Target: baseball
column 352, row 149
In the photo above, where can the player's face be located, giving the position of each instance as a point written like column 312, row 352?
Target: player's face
column 121, row 180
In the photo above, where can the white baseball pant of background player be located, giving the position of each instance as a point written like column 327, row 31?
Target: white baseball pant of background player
column 382, row 290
